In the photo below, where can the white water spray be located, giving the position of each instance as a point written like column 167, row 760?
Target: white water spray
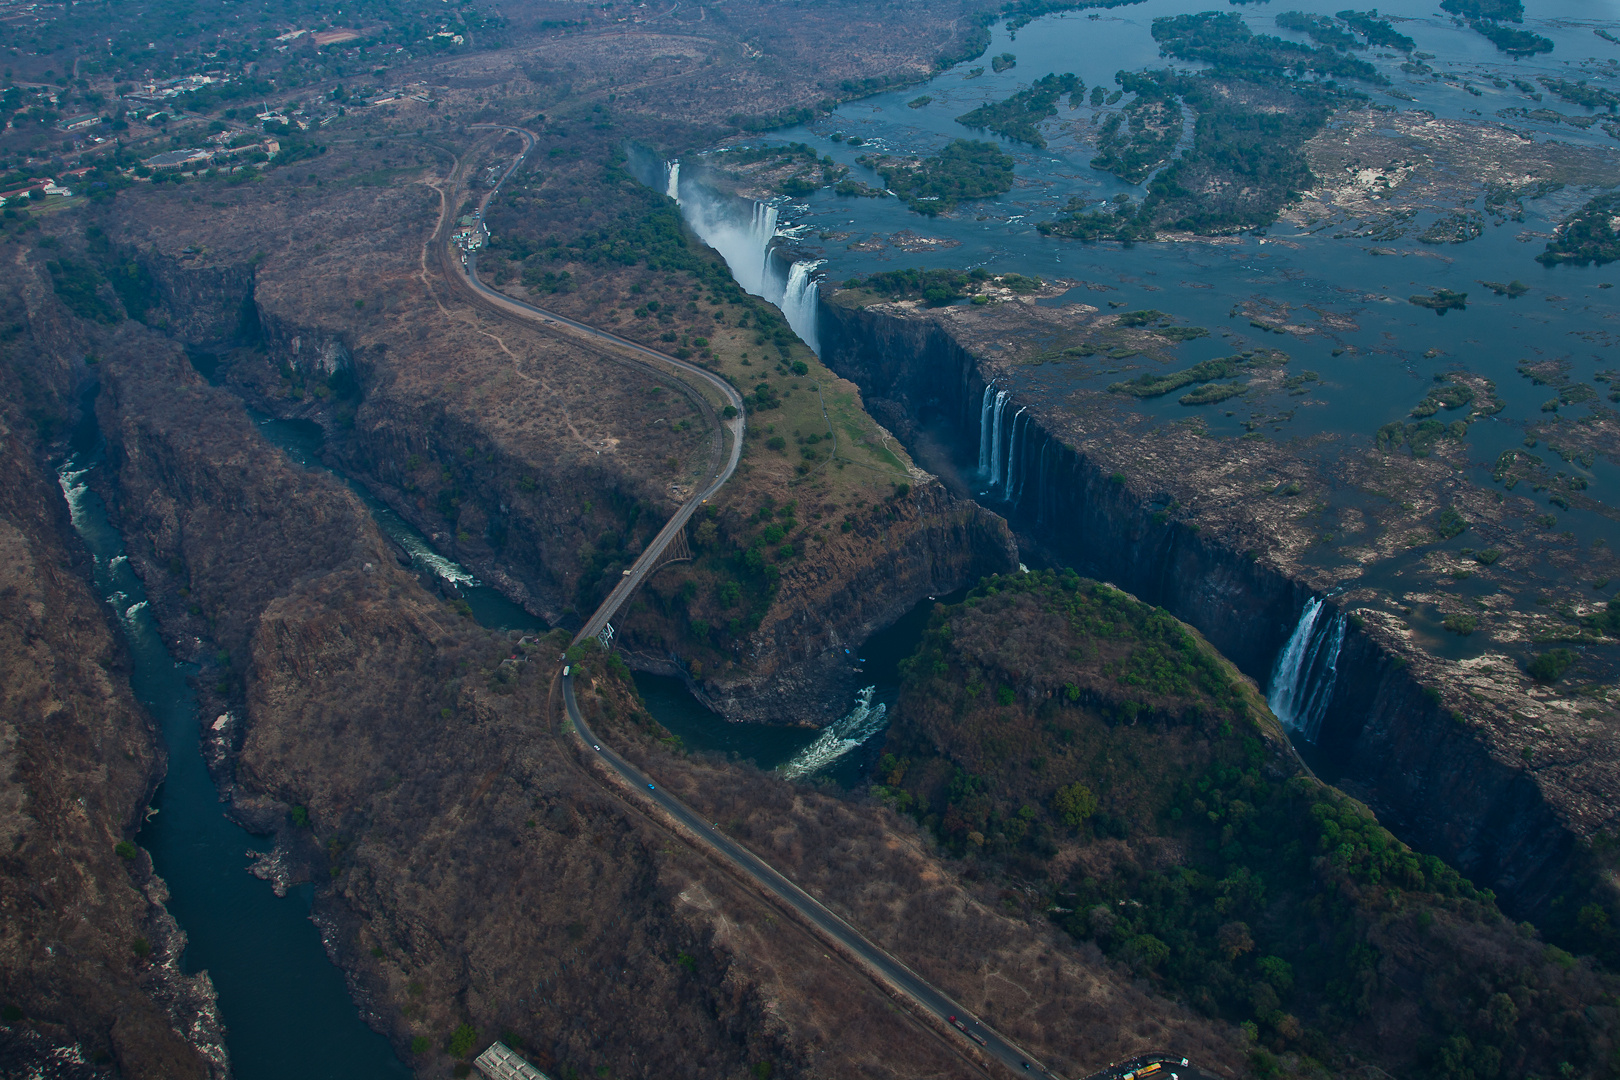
column 839, row 737
column 995, row 437
column 1302, row 684
column 745, row 235
column 799, row 299
column 984, row 428
column 744, row 243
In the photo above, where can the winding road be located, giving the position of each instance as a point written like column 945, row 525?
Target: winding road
column 465, row 278
column 878, row 963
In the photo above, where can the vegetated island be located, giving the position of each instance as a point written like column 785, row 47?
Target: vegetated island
column 1150, row 384
column 1104, row 764
column 1378, row 32
column 1441, row 301
column 936, row 288
column 1511, row 41
column 1019, row 117
column 1486, row 18
column 1508, row 10
column 1155, row 127
column 1320, row 28
column 1587, row 236
column 1256, row 111
column 966, row 169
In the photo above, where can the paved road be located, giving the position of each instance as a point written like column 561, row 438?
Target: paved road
column 466, row 276
column 885, row 966
column 876, row 960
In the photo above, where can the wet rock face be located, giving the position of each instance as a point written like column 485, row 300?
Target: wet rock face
column 1195, row 525
column 1068, row 502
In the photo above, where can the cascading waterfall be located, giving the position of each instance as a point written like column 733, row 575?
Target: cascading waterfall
column 747, row 241
column 839, row 737
column 995, row 437
column 799, row 300
column 984, row 428
column 1014, row 452
column 1302, row 684
column 1326, row 674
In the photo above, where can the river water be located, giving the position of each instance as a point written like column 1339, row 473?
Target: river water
column 1375, row 354
column 286, row 1010
column 1351, row 294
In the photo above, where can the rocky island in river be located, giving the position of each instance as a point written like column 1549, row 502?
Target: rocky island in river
column 1141, row 596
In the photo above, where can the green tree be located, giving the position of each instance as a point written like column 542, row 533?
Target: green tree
column 462, row 1040
column 1074, row 803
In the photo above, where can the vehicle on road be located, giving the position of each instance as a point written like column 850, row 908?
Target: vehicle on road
column 565, row 669
column 651, row 788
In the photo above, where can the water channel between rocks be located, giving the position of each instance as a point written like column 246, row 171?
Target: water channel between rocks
column 263, row 953
column 286, row 1009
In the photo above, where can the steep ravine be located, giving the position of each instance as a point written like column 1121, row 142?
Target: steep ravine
column 1386, row 737
column 529, row 504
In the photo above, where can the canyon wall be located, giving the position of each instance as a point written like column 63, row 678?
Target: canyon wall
column 525, row 457
column 89, row 953
column 1076, row 500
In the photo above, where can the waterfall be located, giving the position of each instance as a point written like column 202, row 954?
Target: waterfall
column 839, row 737
column 984, row 428
column 1040, row 485
column 995, row 438
column 746, row 240
column 799, row 301
column 1013, row 453
column 1326, row 667
column 1302, row 684
column 745, row 243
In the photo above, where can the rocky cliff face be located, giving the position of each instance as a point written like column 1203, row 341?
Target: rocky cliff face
column 89, row 956
column 468, row 870
column 541, row 463
column 855, row 585
column 1180, row 523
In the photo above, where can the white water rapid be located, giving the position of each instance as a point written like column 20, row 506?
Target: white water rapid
column 839, row 737
column 1302, row 684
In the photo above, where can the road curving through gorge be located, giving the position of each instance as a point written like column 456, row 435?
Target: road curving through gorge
column 887, row 970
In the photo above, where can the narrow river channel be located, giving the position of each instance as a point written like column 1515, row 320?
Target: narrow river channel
column 285, row 1007
column 286, row 1010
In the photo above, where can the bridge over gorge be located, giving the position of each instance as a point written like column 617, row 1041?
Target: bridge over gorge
column 974, row 1040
